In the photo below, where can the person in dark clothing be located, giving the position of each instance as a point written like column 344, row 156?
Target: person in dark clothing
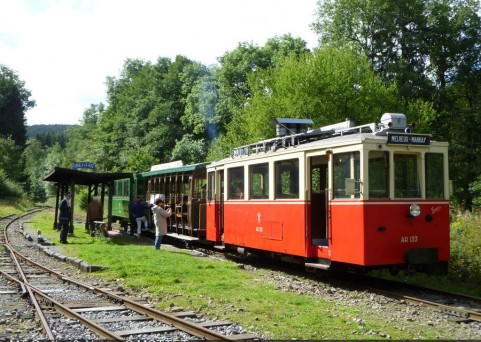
column 139, row 211
column 64, row 217
column 133, row 221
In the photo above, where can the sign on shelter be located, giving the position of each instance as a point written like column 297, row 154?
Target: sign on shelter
column 83, row 165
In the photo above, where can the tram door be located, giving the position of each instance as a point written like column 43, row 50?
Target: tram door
column 220, row 200
column 318, row 213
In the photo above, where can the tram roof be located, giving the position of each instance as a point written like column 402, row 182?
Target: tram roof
column 64, row 175
column 180, row 169
column 325, row 143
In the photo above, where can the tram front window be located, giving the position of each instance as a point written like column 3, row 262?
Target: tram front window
column 346, row 165
column 406, row 176
column 378, row 174
column 434, row 175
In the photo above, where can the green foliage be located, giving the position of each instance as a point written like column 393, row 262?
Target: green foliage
column 140, row 160
column 15, row 205
column 51, row 138
column 57, row 129
column 9, row 188
column 328, row 86
column 188, row 150
column 14, row 102
column 475, row 190
column 236, row 66
column 466, row 247
column 81, row 198
column 35, row 155
column 430, row 49
column 11, row 162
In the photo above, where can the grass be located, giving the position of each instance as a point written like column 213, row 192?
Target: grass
column 15, row 206
column 222, row 289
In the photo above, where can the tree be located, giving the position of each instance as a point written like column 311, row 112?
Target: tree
column 328, row 86
column 34, row 155
column 189, row 150
column 431, row 49
column 236, row 66
column 392, row 34
column 84, row 140
column 14, row 102
column 11, row 161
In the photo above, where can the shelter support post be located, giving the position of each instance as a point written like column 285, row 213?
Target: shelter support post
column 111, row 195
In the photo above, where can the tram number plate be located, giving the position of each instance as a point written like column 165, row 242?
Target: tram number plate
column 407, row 239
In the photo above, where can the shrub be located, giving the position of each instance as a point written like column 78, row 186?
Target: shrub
column 9, row 188
column 466, row 247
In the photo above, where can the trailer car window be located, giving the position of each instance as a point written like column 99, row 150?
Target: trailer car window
column 378, row 174
column 211, row 186
column 259, row 181
column 287, row 178
column 236, row 183
column 434, row 168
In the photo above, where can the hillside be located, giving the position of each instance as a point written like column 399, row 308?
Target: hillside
column 33, row 130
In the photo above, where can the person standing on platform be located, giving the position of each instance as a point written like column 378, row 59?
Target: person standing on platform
column 64, row 217
column 133, row 221
column 160, row 220
column 95, row 212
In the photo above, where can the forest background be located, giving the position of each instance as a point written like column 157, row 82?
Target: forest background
column 418, row 57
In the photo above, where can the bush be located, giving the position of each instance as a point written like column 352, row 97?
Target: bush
column 81, row 199
column 466, row 247
column 9, row 188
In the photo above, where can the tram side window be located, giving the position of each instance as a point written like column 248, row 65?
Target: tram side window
column 406, row 177
column 200, row 186
column 118, row 188
column 378, row 174
column 434, row 168
column 259, row 181
column 211, row 186
column 287, row 178
column 346, row 165
column 125, row 192
column 236, row 183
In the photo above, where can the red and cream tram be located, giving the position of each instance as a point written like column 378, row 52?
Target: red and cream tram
column 343, row 196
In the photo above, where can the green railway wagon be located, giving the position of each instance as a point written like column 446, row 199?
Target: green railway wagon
column 124, row 191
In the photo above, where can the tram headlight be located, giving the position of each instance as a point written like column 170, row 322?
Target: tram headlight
column 414, row 210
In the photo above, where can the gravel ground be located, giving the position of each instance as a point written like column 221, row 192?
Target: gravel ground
column 413, row 319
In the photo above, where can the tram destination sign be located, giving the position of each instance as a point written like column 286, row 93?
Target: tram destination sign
column 408, row 139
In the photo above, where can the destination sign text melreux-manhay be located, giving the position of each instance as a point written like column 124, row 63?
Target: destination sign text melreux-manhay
column 408, row 139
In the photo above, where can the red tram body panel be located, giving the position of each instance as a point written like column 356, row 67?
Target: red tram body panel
column 373, row 233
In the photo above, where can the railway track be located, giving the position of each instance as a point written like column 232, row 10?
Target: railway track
column 69, row 309
column 456, row 307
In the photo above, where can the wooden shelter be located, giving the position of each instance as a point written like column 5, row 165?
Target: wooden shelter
column 67, row 179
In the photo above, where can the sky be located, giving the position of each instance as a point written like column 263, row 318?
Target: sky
column 65, row 49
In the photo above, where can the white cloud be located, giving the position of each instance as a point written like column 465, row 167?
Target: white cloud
column 65, row 49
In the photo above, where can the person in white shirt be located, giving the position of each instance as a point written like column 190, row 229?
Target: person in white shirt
column 160, row 220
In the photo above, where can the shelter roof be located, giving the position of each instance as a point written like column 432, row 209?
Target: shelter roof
column 59, row 174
